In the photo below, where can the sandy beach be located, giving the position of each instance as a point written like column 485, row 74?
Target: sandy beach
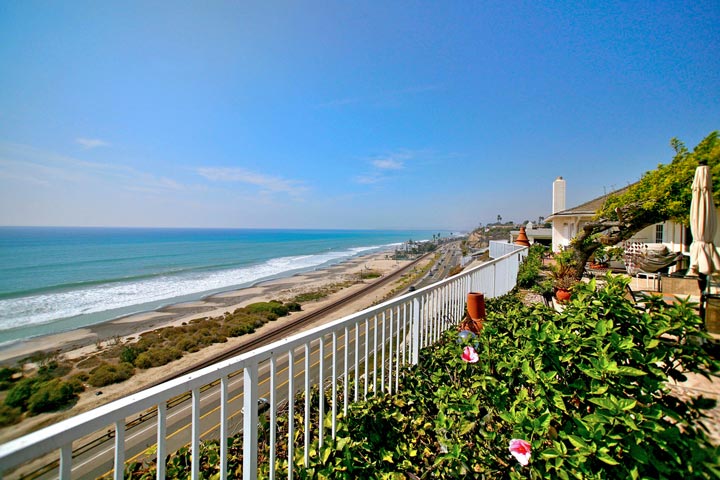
column 72, row 343
column 80, row 343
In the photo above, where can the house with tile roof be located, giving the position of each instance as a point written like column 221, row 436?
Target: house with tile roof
column 567, row 222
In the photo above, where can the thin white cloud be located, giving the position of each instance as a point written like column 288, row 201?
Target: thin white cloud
column 393, row 161
column 382, row 166
column 266, row 182
column 90, row 143
column 388, row 164
column 21, row 178
column 369, row 179
column 27, row 164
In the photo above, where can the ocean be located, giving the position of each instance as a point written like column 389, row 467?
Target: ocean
column 55, row 279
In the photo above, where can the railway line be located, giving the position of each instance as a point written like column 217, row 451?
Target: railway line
column 288, row 328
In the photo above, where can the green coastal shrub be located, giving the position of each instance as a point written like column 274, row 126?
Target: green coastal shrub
column 53, row 369
column 157, row 357
column 6, row 373
column 9, row 415
column 89, row 362
column 294, row 306
column 129, row 354
column 278, row 308
column 310, row 296
column 19, row 394
column 37, row 394
column 51, row 396
column 6, row 377
column 107, row 374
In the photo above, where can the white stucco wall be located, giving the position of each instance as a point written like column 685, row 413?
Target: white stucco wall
column 564, row 229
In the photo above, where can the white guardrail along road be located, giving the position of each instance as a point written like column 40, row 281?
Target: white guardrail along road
column 368, row 347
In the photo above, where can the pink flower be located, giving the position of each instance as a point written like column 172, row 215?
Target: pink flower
column 470, row 355
column 520, row 449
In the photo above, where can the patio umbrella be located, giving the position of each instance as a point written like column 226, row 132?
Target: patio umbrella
column 704, row 258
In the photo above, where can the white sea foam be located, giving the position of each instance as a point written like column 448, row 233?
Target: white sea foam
column 46, row 308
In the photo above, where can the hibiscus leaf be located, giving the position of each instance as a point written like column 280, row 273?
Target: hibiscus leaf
column 604, row 457
column 604, row 402
column 630, row 371
column 549, row 453
column 577, row 441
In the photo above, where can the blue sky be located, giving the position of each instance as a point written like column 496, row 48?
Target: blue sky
column 341, row 114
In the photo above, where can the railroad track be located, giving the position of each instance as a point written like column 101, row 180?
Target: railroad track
column 288, row 328
column 292, row 326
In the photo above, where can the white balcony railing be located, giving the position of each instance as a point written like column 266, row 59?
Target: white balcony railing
column 367, row 347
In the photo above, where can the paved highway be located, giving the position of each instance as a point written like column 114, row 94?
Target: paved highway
column 141, row 433
column 95, row 458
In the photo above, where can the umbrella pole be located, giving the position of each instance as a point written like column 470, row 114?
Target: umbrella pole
column 702, row 284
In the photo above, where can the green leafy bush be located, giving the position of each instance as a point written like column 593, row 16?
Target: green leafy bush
column 107, row 374
column 37, row 394
column 89, row 362
column 6, row 373
column 278, row 308
column 129, row 354
column 9, row 415
column 587, row 388
column 6, row 377
column 19, row 394
column 53, row 369
column 310, row 296
column 157, row 357
column 51, row 396
column 530, row 267
column 294, row 306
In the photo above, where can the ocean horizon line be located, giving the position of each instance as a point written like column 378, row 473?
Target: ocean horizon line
column 309, row 229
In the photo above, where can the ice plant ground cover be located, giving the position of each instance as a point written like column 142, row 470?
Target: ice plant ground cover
column 585, row 388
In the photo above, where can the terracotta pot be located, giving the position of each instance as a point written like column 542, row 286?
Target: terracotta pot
column 522, row 238
column 562, row 295
column 476, row 305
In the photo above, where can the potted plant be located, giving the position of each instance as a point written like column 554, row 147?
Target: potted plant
column 600, row 258
column 563, row 275
column 563, row 286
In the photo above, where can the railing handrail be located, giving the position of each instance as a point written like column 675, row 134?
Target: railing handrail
column 55, row 436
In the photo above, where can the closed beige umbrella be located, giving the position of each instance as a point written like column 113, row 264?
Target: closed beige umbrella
column 704, row 258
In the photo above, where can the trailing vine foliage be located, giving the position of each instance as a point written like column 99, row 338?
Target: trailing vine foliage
column 660, row 195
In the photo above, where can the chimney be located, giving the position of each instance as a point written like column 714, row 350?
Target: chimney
column 558, row 195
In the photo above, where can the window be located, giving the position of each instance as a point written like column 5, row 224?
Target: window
column 659, row 233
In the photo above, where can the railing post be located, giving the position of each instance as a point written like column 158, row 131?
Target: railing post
column 119, row 472
column 66, row 461
column 415, row 331
column 494, row 279
column 416, row 320
column 161, row 421
column 250, row 422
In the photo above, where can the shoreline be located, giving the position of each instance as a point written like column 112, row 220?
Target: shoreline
column 84, row 343
column 215, row 304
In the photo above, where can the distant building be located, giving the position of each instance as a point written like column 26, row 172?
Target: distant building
column 535, row 235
